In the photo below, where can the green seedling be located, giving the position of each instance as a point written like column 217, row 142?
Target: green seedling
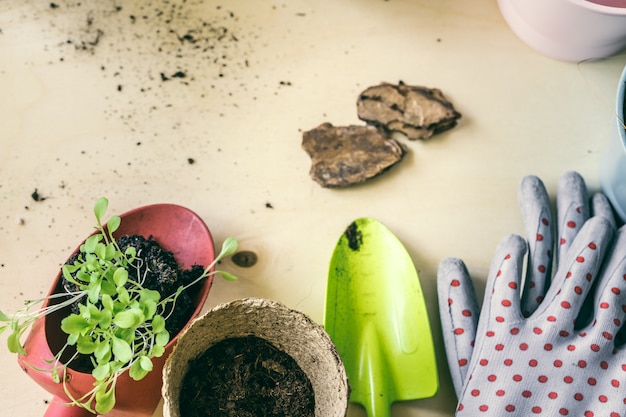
column 120, row 324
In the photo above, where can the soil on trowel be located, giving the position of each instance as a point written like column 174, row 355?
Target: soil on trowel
column 354, row 236
column 246, row 377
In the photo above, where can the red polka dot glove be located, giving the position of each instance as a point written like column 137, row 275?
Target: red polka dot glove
column 549, row 364
column 458, row 304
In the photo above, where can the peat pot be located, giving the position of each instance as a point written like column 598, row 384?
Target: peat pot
column 288, row 331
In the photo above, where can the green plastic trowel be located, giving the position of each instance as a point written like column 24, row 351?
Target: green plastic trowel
column 377, row 318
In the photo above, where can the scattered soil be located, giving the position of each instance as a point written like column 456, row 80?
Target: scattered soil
column 246, row 377
column 149, row 59
column 158, row 270
column 36, row 196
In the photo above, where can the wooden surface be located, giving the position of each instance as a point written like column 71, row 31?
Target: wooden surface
column 203, row 104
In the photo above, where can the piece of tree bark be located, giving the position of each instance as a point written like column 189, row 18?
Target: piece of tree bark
column 346, row 155
column 418, row 112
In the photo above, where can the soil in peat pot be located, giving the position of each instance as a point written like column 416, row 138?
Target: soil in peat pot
column 246, row 377
column 156, row 269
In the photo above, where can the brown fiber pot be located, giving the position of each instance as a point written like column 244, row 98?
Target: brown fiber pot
column 290, row 330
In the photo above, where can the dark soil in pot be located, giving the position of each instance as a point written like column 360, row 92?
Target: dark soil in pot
column 163, row 274
column 246, row 377
column 155, row 269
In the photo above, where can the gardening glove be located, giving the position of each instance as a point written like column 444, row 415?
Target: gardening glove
column 548, row 364
column 458, row 304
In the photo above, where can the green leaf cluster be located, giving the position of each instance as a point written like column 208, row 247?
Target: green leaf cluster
column 120, row 324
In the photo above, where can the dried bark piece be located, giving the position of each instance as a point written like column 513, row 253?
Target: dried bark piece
column 346, row 155
column 418, row 112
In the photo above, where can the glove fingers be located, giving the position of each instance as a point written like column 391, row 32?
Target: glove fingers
column 458, row 310
column 502, row 301
column 610, row 299
column 577, row 272
column 601, row 207
column 572, row 210
column 535, row 207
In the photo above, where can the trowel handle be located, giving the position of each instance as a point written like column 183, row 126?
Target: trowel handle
column 58, row 408
column 377, row 405
column 373, row 383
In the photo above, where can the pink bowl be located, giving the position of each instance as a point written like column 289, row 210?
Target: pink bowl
column 569, row 30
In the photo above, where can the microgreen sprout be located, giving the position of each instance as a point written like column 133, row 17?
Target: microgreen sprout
column 119, row 323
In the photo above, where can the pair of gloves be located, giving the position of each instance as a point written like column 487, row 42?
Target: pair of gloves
column 543, row 343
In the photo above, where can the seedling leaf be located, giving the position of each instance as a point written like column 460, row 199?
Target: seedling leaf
column 149, row 295
column 227, row 276
column 162, row 338
column 85, row 345
column 4, row 317
column 130, row 318
column 72, row 338
column 136, row 372
column 123, row 296
column 114, row 223
column 105, row 399
column 110, row 252
column 158, row 351
column 94, row 292
column 90, row 244
column 130, row 253
column 100, row 208
column 122, row 350
column 101, row 251
column 14, row 345
column 102, row 350
column 74, row 324
column 146, row 363
column 107, row 302
column 120, row 276
column 228, row 247
column 140, row 368
column 100, row 372
column 158, row 324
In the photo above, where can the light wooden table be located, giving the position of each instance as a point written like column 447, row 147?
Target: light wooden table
column 85, row 112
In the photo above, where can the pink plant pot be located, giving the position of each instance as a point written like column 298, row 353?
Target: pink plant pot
column 176, row 229
column 569, row 30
